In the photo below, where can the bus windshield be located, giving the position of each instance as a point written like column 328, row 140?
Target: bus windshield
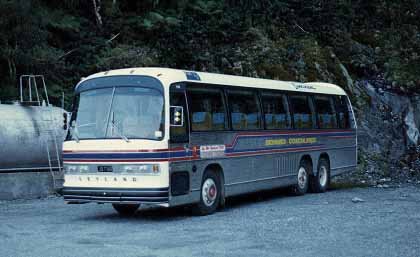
column 118, row 112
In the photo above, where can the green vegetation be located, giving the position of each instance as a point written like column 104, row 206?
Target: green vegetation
column 287, row 40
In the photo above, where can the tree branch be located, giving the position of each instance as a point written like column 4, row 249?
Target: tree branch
column 96, row 9
column 301, row 28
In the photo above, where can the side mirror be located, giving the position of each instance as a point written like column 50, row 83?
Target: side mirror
column 177, row 116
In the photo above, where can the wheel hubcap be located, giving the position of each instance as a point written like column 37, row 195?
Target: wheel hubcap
column 323, row 176
column 209, row 192
column 302, row 177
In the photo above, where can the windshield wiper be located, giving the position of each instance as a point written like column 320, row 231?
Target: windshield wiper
column 75, row 129
column 74, row 132
column 117, row 129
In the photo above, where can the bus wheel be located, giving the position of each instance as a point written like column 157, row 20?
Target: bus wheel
column 209, row 194
column 302, row 183
column 126, row 209
column 320, row 182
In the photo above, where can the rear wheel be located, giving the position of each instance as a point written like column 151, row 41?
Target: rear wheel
column 320, row 182
column 209, row 194
column 126, row 209
column 302, row 183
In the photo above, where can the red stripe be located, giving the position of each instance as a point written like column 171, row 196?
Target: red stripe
column 235, row 139
column 175, row 149
column 115, row 160
column 300, row 149
column 133, row 160
column 341, row 136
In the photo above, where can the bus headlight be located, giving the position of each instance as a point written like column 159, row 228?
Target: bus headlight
column 70, row 168
column 83, row 169
column 76, row 168
column 151, row 169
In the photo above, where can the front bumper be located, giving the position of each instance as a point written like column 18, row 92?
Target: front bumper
column 158, row 196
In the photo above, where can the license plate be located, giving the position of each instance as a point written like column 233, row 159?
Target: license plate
column 105, row 169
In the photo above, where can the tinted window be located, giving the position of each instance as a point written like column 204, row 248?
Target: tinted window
column 276, row 111
column 303, row 114
column 207, row 110
column 244, row 109
column 179, row 134
column 326, row 112
column 343, row 111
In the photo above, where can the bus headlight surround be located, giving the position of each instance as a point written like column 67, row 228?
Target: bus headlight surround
column 76, row 169
column 149, row 169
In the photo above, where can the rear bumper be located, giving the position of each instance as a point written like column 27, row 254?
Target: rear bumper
column 158, row 196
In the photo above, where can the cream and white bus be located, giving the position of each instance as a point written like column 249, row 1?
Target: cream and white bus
column 168, row 137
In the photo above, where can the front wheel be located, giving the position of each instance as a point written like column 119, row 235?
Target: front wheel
column 210, row 194
column 126, row 209
column 302, row 183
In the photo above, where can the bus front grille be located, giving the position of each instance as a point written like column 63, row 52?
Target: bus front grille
column 111, row 195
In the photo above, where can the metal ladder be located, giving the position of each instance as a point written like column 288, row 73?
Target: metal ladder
column 49, row 136
column 32, row 85
column 56, row 172
column 53, row 152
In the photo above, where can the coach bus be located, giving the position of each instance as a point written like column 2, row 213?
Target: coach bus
column 168, row 137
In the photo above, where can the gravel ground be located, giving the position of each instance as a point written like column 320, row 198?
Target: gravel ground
column 382, row 222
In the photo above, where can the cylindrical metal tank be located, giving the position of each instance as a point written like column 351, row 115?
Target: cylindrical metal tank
column 27, row 135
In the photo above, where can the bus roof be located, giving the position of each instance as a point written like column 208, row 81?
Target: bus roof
column 168, row 76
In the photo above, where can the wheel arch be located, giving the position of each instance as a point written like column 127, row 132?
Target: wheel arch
column 217, row 168
column 326, row 156
column 308, row 158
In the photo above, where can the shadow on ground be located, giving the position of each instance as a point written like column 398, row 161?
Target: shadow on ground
column 184, row 212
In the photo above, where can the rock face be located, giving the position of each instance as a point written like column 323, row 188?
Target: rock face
column 411, row 128
column 389, row 125
column 389, row 120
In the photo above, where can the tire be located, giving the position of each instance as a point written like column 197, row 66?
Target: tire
column 126, row 209
column 302, row 179
column 210, row 192
column 321, row 182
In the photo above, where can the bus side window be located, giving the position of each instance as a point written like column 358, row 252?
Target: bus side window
column 208, row 112
column 303, row 112
column 276, row 111
column 343, row 112
column 245, row 110
column 179, row 134
column 327, row 116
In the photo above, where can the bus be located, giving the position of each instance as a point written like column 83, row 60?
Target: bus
column 168, row 137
